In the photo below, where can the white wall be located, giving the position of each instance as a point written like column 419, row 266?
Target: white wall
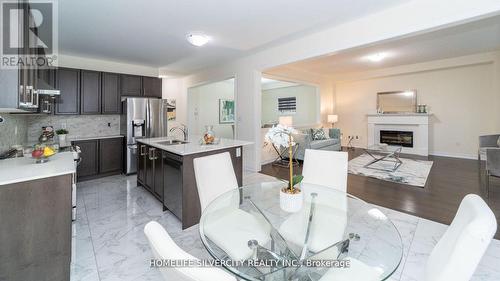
column 463, row 98
column 203, row 107
column 307, row 104
column 408, row 18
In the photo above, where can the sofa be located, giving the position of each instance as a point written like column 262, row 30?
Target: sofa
column 305, row 140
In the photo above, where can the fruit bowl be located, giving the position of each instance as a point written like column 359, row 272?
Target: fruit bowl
column 42, row 153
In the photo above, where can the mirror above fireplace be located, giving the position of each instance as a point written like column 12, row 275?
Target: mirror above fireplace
column 397, row 102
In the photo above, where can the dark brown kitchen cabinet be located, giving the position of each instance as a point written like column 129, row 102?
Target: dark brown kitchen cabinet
column 48, row 75
column 100, row 157
column 68, row 83
column 149, row 180
column 152, row 87
column 142, row 157
column 131, row 85
column 90, row 93
column 111, row 103
column 88, row 167
column 110, row 155
column 150, row 170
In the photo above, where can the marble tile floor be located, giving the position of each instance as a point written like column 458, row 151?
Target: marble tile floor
column 109, row 243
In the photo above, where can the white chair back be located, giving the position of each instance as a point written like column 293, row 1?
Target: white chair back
column 164, row 248
column 327, row 168
column 459, row 251
column 214, row 176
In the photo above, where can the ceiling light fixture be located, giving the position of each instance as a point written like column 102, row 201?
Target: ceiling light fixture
column 376, row 57
column 197, row 39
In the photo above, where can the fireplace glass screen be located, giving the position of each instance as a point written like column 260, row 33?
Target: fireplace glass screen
column 402, row 138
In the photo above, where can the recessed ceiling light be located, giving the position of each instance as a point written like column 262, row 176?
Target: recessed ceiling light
column 376, row 57
column 197, row 39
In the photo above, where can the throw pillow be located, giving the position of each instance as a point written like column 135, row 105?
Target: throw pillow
column 318, row 134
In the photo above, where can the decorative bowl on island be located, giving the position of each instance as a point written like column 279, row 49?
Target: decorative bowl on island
column 42, row 152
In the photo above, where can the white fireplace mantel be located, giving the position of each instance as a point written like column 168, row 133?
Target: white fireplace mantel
column 414, row 122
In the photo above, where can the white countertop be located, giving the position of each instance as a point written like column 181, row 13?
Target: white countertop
column 193, row 146
column 22, row 169
column 78, row 138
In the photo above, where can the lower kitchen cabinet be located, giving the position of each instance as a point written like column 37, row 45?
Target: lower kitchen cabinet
column 172, row 183
column 110, row 155
column 150, row 170
column 99, row 158
column 88, row 167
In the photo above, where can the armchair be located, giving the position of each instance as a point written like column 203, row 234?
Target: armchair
column 492, row 166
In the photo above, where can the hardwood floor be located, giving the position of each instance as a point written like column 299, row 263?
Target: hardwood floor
column 449, row 181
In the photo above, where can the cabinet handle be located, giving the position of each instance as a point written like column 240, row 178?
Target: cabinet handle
column 143, row 151
column 151, row 150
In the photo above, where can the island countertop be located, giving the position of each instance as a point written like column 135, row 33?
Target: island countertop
column 193, row 145
column 22, row 169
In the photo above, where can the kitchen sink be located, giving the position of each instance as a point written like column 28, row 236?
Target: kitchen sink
column 171, row 142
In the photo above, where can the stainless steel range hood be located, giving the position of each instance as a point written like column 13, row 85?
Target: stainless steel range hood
column 46, row 89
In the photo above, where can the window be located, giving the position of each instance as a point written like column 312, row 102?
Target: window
column 287, row 105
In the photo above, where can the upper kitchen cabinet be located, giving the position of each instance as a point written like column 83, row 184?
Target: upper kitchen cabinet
column 90, row 96
column 68, row 83
column 111, row 103
column 152, row 86
column 131, row 85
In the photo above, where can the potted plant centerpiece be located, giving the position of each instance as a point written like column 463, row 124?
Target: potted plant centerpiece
column 61, row 134
column 290, row 196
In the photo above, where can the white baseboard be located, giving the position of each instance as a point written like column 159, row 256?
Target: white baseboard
column 454, row 155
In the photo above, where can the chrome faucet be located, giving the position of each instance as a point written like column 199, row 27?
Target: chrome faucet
column 183, row 128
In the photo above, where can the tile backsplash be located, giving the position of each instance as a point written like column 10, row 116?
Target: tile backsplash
column 13, row 130
column 77, row 125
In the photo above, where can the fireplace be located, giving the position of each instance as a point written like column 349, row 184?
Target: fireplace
column 403, row 138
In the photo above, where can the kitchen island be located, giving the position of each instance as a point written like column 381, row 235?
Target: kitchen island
column 35, row 211
column 165, row 168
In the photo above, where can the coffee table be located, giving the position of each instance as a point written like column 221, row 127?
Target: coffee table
column 386, row 153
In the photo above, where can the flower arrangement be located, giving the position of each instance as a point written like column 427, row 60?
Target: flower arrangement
column 281, row 136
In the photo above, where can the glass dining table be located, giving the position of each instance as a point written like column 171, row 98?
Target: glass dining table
column 334, row 236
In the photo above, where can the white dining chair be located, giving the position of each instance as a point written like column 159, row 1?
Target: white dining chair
column 460, row 249
column 164, row 248
column 455, row 256
column 326, row 168
column 230, row 228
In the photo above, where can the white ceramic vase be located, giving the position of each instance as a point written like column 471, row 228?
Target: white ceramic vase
column 62, row 140
column 291, row 202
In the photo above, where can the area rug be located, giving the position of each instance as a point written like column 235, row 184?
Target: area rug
column 411, row 172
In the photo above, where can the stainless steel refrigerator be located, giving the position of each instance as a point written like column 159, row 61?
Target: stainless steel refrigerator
column 141, row 118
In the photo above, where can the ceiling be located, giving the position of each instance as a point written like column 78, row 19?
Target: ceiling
column 475, row 37
column 152, row 33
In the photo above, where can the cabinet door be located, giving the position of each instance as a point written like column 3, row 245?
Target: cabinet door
column 110, row 155
column 172, row 185
column 131, row 85
column 90, row 93
column 149, row 184
column 141, row 163
column 89, row 158
column 158, row 174
column 48, row 75
column 68, row 82
column 152, row 87
column 111, row 103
